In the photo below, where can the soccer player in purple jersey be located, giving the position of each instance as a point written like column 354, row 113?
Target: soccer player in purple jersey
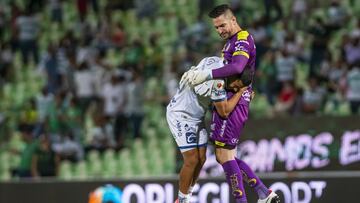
column 239, row 54
column 226, row 126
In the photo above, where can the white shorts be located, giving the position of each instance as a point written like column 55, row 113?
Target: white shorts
column 187, row 134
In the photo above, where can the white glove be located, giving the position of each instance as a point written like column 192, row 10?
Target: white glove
column 185, row 78
column 199, row 76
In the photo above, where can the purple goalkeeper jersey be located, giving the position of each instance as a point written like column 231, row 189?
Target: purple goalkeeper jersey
column 239, row 53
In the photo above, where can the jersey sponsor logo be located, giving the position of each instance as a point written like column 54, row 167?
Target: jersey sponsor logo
column 178, row 127
column 191, row 137
column 223, row 126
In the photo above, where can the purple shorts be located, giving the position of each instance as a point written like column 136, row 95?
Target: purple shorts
column 225, row 133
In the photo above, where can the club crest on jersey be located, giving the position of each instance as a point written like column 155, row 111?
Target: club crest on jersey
column 219, row 85
column 246, row 95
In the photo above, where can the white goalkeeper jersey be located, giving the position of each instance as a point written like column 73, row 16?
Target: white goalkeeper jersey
column 191, row 103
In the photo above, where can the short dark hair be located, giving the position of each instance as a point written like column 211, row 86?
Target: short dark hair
column 219, row 10
column 246, row 76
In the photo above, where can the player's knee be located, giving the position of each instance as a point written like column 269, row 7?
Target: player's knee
column 191, row 161
column 191, row 158
column 202, row 159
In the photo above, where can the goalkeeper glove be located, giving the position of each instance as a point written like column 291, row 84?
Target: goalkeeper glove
column 185, row 78
column 199, row 76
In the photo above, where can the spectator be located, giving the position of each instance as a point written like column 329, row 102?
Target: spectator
column 6, row 62
column 44, row 101
column 114, row 95
column 135, row 103
column 84, row 86
column 269, row 6
column 313, row 97
column 82, row 7
column 28, row 28
column 71, row 117
column 145, row 8
column 355, row 33
column 266, row 75
column 24, row 168
column 29, row 114
column 337, row 15
column 101, row 135
column 294, row 46
column 353, row 88
column 50, row 64
column 285, row 67
column 319, row 45
column 352, row 50
column 45, row 162
column 286, row 99
column 118, row 35
column 299, row 13
column 68, row 148
column 56, row 11
column 102, row 73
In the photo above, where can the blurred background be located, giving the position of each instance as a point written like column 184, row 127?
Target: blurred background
column 84, row 85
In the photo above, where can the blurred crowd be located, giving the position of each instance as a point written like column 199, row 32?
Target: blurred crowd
column 97, row 73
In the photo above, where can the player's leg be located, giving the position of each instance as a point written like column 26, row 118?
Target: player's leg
column 263, row 192
column 202, row 159
column 226, row 157
column 202, row 146
column 185, row 136
column 187, row 172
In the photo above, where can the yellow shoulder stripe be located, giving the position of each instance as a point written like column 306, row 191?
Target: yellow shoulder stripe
column 242, row 35
column 236, row 53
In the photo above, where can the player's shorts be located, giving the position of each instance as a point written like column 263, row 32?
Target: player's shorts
column 187, row 134
column 225, row 133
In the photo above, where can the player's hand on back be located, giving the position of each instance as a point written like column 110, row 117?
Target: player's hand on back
column 242, row 90
column 252, row 95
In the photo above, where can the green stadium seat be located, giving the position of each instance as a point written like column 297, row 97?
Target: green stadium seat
column 80, row 170
column 5, row 175
column 124, row 164
column 344, row 109
column 65, row 170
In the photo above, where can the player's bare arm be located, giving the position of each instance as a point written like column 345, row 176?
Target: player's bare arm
column 225, row 107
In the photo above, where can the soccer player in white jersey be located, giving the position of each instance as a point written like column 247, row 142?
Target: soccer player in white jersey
column 185, row 116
